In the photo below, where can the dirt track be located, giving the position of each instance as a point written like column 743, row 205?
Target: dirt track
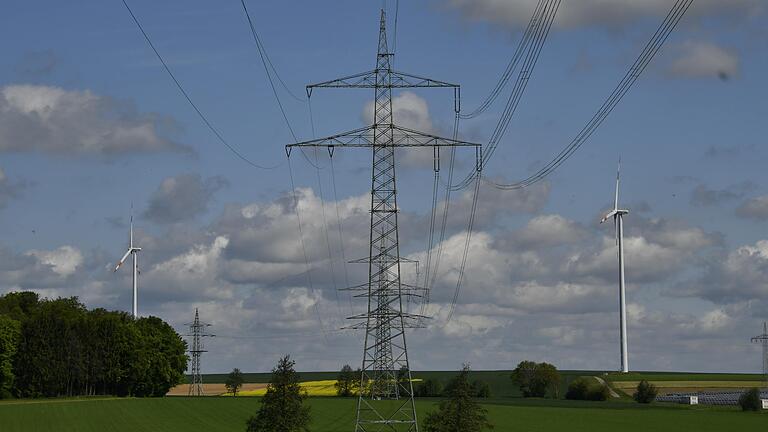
column 212, row 389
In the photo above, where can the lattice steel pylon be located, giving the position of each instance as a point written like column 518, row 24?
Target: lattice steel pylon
column 197, row 332
column 763, row 339
column 386, row 398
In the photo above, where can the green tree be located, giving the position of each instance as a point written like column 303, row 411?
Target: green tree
column 347, row 382
column 458, row 413
column 645, row 392
column 750, row 400
column 536, row 379
column 481, row 389
column 234, row 381
column 10, row 330
column 429, row 388
column 282, row 407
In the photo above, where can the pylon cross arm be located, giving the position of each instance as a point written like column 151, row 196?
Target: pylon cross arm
column 365, row 138
column 368, row 80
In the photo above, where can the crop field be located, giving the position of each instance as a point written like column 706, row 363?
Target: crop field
column 213, row 414
column 672, row 382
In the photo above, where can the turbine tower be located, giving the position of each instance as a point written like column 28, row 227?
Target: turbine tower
column 618, row 221
column 763, row 339
column 386, row 400
column 134, row 252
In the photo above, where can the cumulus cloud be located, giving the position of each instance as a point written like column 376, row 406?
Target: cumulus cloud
column 182, row 198
column 696, row 59
column 740, row 275
column 755, row 208
column 39, row 269
column 612, row 14
column 46, row 119
column 408, row 110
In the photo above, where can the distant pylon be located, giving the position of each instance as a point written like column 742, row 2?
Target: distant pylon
column 196, row 333
column 763, row 339
column 386, row 398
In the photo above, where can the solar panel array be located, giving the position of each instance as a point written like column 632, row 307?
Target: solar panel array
column 708, row 398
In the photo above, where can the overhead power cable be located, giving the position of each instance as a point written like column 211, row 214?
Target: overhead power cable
column 636, row 69
column 186, row 95
column 511, row 66
column 540, row 32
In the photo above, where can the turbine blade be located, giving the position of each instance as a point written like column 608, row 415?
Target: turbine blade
column 122, row 260
column 609, row 215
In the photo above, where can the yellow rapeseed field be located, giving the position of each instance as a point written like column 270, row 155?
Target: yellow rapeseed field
column 313, row 388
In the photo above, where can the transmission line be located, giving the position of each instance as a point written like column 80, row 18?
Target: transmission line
column 200, row 114
column 511, row 66
column 649, row 52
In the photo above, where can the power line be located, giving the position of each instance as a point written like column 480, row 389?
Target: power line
column 189, row 99
column 649, row 52
column 511, row 66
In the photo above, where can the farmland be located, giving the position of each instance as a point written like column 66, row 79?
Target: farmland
column 212, row 414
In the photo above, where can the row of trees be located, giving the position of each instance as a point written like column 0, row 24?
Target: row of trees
column 52, row 348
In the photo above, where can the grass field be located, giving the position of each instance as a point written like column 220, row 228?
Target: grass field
column 213, row 414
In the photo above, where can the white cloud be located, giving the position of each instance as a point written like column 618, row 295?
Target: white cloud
column 698, row 59
column 64, row 261
column 612, row 14
column 45, row 119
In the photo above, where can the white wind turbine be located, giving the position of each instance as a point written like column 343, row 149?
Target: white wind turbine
column 134, row 251
column 618, row 221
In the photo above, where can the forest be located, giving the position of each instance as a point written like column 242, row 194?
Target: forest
column 57, row 347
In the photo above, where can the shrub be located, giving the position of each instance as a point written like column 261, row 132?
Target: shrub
column 586, row 389
column 645, row 392
column 750, row 400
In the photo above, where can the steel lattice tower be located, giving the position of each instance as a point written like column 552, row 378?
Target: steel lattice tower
column 386, row 399
column 196, row 332
column 763, row 339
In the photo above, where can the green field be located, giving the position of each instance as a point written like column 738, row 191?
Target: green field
column 212, row 414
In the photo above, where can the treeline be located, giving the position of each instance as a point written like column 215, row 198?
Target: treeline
column 52, row 348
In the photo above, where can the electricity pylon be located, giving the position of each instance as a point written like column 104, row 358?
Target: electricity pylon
column 196, row 332
column 386, row 397
column 763, row 339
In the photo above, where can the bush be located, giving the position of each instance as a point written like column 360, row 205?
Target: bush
column 586, row 389
column 750, row 400
column 459, row 412
column 645, row 392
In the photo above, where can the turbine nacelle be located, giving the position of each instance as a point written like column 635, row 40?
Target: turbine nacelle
column 125, row 257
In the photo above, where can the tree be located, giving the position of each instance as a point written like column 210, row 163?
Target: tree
column 234, row 381
column 429, row 388
column 347, row 382
column 62, row 349
column 536, row 379
column 750, row 400
column 645, row 392
column 458, row 413
column 10, row 330
column 481, row 389
column 282, row 407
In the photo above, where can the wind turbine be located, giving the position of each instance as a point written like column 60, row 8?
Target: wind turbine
column 133, row 251
column 618, row 221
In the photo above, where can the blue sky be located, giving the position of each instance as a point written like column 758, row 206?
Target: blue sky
column 90, row 123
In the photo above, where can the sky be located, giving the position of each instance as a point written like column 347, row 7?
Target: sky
column 92, row 130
